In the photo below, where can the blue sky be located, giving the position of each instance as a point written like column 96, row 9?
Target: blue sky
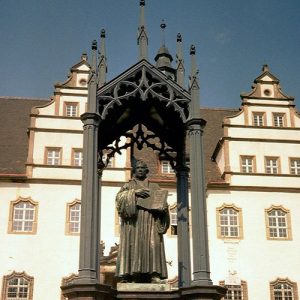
column 41, row 40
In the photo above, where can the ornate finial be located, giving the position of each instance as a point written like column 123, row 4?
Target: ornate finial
column 179, row 38
column 102, row 65
column 193, row 50
column 142, row 39
column 265, row 68
column 180, row 71
column 84, row 56
column 163, row 26
column 94, row 45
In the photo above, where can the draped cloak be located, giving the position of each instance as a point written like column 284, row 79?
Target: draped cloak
column 141, row 249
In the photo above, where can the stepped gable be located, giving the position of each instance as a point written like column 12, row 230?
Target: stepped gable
column 15, row 120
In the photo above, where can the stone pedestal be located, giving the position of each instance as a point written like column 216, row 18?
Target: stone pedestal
column 161, row 291
column 80, row 291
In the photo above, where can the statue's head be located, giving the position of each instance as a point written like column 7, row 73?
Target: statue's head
column 140, row 170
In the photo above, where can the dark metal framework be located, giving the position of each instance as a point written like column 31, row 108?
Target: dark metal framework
column 145, row 109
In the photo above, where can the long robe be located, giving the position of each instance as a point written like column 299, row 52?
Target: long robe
column 141, row 249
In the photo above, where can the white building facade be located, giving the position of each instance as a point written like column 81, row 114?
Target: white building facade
column 253, row 189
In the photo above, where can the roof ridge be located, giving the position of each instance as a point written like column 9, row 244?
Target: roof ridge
column 22, row 98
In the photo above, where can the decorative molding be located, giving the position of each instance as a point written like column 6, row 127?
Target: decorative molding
column 239, row 220
column 14, row 274
column 287, row 281
column 288, row 223
column 11, row 216
column 144, row 85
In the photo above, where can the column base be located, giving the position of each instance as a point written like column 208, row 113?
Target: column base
column 87, row 291
column 205, row 292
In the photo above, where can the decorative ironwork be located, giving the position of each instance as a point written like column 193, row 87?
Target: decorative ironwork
column 141, row 137
column 146, row 86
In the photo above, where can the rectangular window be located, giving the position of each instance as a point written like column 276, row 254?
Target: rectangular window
column 166, row 167
column 258, row 119
column 73, row 218
column 295, row 166
column 17, row 286
column 77, row 157
column 53, row 156
column 229, row 220
column 71, row 109
column 23, row 216
column 283, row 289
column 278, row 120
column 278, row 223
column 272, row 165
column 247, row 164
column 173, row 221
column 235, row 291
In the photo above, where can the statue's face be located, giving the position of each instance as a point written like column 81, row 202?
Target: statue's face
column 141, row 171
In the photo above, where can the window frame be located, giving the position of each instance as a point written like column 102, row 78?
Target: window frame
column 287, row 219
column 277, row 114
column 47, row 150
column 243, row 286
column 71, row 104
column 291, row 167
column 261, row 114
column 287, row 281
column 68, row 218
column 14, row 274
column 12, row 216
column 239, row 225
column 253, row 158
column 278, row 165
column 173, row 225
column 73, row 160
column 170, row 170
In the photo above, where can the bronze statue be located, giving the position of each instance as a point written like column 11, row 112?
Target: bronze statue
column 143, row 209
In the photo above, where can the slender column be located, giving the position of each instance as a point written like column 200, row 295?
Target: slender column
column 201, row 268
column 195, row 125
column 183, row 237
column 90, row 206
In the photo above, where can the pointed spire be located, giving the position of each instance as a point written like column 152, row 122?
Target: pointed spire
column 92, row 82
column 163, row 57
column 194, row 86
column 142, row 40
column 102, row 66
column 180, row 71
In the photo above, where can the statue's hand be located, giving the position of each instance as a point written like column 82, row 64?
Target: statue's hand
column 164, row 208
column 142, row 193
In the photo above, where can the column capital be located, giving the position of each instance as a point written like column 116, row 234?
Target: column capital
column 195, row 121
column 89, row 118
column 182, row 169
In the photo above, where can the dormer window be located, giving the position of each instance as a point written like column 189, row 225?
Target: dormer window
column 71, row 109
column 166, row 167
column 278, row 120
column 258, row 119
